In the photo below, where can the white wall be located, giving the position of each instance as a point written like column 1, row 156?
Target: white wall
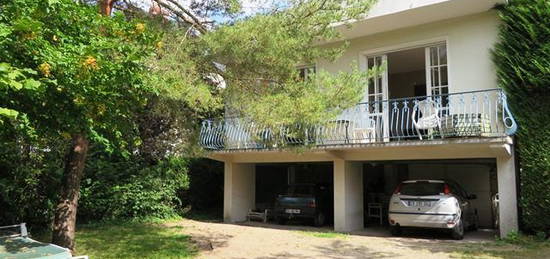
column 348, row 195
column 239, row 191
column 385, row 7
column 470, row 40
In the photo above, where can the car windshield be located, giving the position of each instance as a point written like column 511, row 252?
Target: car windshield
column 300, row 190
column 422, row 188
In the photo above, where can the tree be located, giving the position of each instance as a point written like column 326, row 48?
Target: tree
column 90, row 70
column 256, row 58
column 90, row 78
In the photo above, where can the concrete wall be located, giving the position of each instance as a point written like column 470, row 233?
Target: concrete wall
column 469, row 41
column 508, row 208
column 239, row 191
column 348, row 195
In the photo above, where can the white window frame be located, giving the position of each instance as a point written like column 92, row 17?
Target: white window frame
column 432, row 86
column 307, row 69
column 407, row 46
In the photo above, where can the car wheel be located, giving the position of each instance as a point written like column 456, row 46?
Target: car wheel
column 319, row 220
column 281, row 220
column 395, row 230
column 458, row 231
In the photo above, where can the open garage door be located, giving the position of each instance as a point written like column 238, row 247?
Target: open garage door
column 475, row 176
column 296, row 192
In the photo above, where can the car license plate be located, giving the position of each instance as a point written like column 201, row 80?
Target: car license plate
column 419, row 203
column 292, row 211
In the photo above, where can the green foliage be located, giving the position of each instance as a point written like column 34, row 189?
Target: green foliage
column 205, row 186
column 129, row 188
column 138, row 89
column 90, row 67
column 256, row 58
column 113, row 187
column 29, row 179
column 14, row 79
column 523, row 66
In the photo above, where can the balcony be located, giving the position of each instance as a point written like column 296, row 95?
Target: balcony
column 476, row 114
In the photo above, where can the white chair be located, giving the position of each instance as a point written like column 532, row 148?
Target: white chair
column 261, row 215
column 428, row 118
column 365, row 132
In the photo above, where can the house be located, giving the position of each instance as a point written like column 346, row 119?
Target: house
column 435, row 112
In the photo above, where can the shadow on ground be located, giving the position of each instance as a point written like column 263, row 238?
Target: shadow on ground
column 434, row 241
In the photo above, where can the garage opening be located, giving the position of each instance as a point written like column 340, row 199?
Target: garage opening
column 296, row 193
column 477, row 177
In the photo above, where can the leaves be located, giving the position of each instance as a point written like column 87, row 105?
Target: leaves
column 9, row 113
column 260, row 56
column 75, row 61
column 523, row 64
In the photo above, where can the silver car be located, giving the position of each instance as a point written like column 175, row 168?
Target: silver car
column 441, row 204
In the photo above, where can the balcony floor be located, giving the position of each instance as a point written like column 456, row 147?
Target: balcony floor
column 450, row 148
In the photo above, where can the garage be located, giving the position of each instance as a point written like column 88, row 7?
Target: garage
column 361, row 188
column 380, row 179
column 477, row 177
column 286, row 182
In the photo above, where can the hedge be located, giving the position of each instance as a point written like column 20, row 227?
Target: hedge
column 522, row 57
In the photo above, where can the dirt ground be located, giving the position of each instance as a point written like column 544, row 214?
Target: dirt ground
column 264, row 240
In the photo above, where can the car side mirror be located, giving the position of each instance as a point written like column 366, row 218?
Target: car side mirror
column 472, row 197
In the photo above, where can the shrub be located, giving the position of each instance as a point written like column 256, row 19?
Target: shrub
column 523, row 66
column 128, row 188
column 205, row 191
column 29, row 178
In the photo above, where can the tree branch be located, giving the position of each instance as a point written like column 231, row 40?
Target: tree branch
column 183, row 14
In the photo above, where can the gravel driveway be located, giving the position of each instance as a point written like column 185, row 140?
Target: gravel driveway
column 261, row 240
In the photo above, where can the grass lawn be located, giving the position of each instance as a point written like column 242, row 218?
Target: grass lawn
column 328, row 234
column 132, row 240
column 519, row 247
column 161, row 240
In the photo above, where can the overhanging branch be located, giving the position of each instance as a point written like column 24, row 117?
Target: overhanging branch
column 183, row 14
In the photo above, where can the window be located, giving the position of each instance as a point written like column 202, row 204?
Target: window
column 376, row 84
column 306, row 72
column 422, row 188
column 300, row 190
column 437, row 70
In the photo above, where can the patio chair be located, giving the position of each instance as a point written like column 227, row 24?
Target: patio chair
column 365, row 132
column 428, row 119
column 258, row 214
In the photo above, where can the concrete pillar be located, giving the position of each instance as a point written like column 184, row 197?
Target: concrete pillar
column 239, row 194
column 508, row 208
column 348, row 195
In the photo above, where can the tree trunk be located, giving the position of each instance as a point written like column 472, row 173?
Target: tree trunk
column 106, row 6
column 65, row 213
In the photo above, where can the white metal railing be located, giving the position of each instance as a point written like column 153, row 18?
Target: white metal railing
column 482, row 113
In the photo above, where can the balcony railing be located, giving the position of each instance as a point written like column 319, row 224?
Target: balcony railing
column 481, row 113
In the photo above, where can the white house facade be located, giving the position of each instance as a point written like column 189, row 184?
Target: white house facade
column 435, row 112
